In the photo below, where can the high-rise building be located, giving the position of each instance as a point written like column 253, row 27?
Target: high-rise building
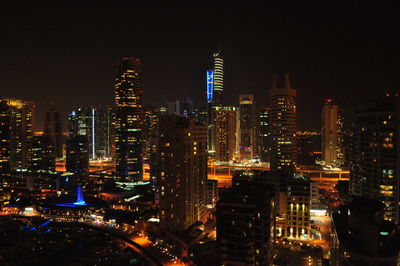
column 77, row 158
column 245, row 224
column 264, row 133
column 42, row 158
column 375, row 160
column 225, row 127
column 5, row 136
column 331, row 133
column 248, row 127
column 218, row 79
column 96, row 123
column 53, row 129
column 151, row 115
column 215, row 88
column 20, row 115
column 283, row 125
column 129, row 119
column 181, row 171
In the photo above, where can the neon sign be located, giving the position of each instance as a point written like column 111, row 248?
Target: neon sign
column 210, row 85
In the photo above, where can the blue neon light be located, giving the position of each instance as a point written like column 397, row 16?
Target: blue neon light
column 210, row 85
column 45, row 223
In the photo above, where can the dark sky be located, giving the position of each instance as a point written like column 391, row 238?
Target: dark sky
column 68, row 51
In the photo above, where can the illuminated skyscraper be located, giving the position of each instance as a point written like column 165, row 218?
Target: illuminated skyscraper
column 181, row 170
column 5, row 135
column 20, row 115
column 375, row 159
column 96, row 123
column 215, row 88
column 331, row 133
column 225, row 127
column 53, row 129
column 129, row 119
column 283, row 124
column 218, row 79
column 248, row 128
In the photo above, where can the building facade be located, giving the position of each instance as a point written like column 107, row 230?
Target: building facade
column 225, row 127
column 181, row 171
column 129, row 120
column 43, row 155
column 264, row 133
column 332, row 128
column 374, row 163
column 96, row 123
column 18, row 116
column 283, row 125
column 245, row 224
column 248, row 128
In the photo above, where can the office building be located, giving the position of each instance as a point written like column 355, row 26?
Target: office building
column 53, row 130
column 332, row 129
column 225, row 127
column 77, row 158
column 129, row 120
column 375, row 158
column 245, row 224
column 43, row 157
column 96, row 123
column 248, row 129
column 282, row 105
column 181, row 171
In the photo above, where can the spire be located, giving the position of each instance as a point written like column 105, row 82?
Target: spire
column 281, row 82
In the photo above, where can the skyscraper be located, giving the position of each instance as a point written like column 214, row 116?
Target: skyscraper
column 77, row 158
column 283, row 124
column 215, row 88
column 375, row 160
column 218, row 80
column 225, row 127
column 129, row 119
column 53, row 129
column 96, row 123
column 264, row 133
column 248, row 129
column 181, row 170
column 331, row 133
column 20, row 115
column 42, row 158
column 5, row 136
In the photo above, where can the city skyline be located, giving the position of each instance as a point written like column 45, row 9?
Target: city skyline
column 57, row 62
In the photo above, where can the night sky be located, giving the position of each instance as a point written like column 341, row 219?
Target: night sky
column 68, row 53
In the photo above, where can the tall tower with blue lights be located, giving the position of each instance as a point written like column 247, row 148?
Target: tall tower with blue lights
column 129, row 119
column 215, row 88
